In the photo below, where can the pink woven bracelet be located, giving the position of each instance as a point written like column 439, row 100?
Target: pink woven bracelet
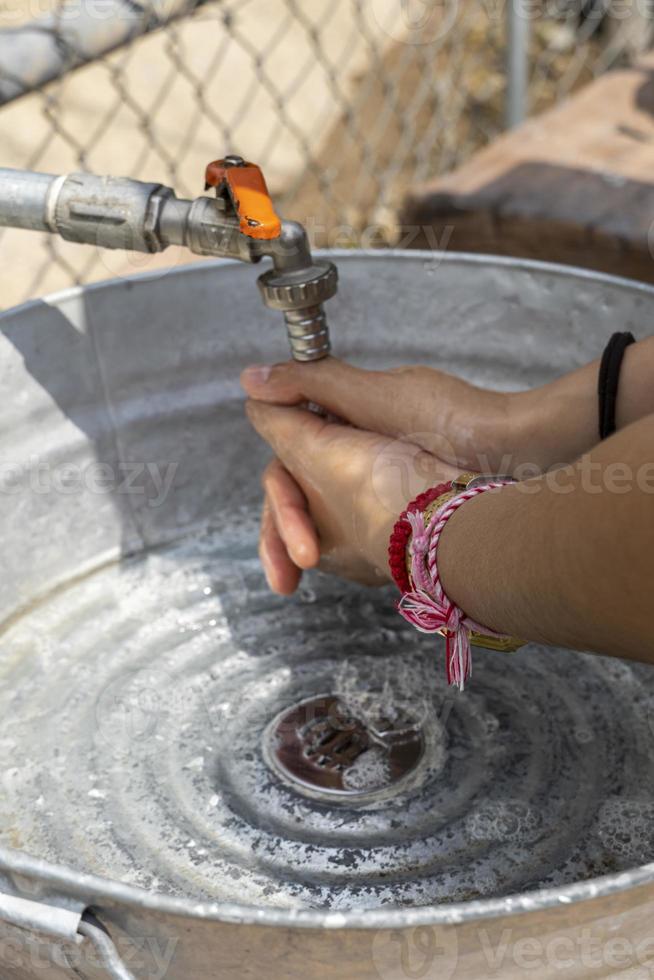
column 426, row 606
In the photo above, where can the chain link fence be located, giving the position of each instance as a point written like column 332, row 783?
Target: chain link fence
column 344, row 103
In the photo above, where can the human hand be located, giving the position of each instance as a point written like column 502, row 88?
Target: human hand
column 333, row 494
column 415, row 408
column 467, row 428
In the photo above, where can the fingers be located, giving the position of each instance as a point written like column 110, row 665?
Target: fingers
column 333, row 384
column 291, row 516
column 403, row 402
column 288, row 541
column 281, row 573
column 293, row 433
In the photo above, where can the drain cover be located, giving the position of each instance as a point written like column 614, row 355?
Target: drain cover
column 322, row 748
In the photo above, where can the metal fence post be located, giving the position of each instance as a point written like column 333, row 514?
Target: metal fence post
column 517, row 67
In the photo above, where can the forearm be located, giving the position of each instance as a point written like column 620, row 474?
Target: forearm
column 565, row 559
column 559, row 421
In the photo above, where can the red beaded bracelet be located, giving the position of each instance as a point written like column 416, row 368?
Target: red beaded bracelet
column 402, row 532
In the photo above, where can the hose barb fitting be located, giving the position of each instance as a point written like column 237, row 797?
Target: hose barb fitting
column 239, row 223
column 297, row 285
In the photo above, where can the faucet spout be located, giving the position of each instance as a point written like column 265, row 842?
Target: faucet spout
column 239, row 223
column 298, row 286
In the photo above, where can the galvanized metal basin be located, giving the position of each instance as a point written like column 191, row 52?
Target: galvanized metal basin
column 146, row 674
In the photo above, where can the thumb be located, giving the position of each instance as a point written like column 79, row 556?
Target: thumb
column 294, row 434
column 374, row 400
column 405, row 402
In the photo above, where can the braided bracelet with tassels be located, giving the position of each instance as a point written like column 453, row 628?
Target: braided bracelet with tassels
column 413, row 549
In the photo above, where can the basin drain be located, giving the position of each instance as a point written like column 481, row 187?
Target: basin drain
column 321, row 748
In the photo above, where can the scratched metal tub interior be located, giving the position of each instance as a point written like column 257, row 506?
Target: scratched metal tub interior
column 166, row 721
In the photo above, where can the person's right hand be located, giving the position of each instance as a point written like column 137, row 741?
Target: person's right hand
column 333, row 494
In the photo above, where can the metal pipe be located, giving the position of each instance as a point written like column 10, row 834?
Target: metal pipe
column 48, row 47
column 23, row 197
column 298, row 286
column 517, row 68
column 105, row 950
column 118, row 212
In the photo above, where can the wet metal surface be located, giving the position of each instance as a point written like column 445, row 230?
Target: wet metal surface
column 141, row 744
column 145, row 669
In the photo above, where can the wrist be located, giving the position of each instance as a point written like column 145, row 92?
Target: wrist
column 552, row 425
column 459, row 551
column 507, row 427
column 530, row 419
column 483, row 423
column 378, row 546
column 414, row 551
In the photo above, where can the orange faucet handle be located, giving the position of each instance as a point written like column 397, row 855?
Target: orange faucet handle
column 246, row 188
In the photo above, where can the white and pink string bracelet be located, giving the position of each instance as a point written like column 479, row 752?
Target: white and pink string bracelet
column 425, row 605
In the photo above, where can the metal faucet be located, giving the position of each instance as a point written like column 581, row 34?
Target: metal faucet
column 239, row 223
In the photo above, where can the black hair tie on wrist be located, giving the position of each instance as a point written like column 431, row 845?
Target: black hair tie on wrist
column 609, row 376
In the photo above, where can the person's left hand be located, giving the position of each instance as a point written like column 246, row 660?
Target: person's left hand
column 333, row 494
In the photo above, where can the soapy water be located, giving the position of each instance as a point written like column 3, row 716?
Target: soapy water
column 133, row 708
column 369, row 771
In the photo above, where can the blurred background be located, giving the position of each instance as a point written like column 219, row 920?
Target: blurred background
column 346, row 104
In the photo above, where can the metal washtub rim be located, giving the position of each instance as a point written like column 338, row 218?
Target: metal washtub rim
column 426, row 255
column 94, row 890
column 103, row 893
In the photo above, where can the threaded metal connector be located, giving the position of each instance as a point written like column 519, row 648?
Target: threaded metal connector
column 299, row 295
column 308, row 333
column 298, row 290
